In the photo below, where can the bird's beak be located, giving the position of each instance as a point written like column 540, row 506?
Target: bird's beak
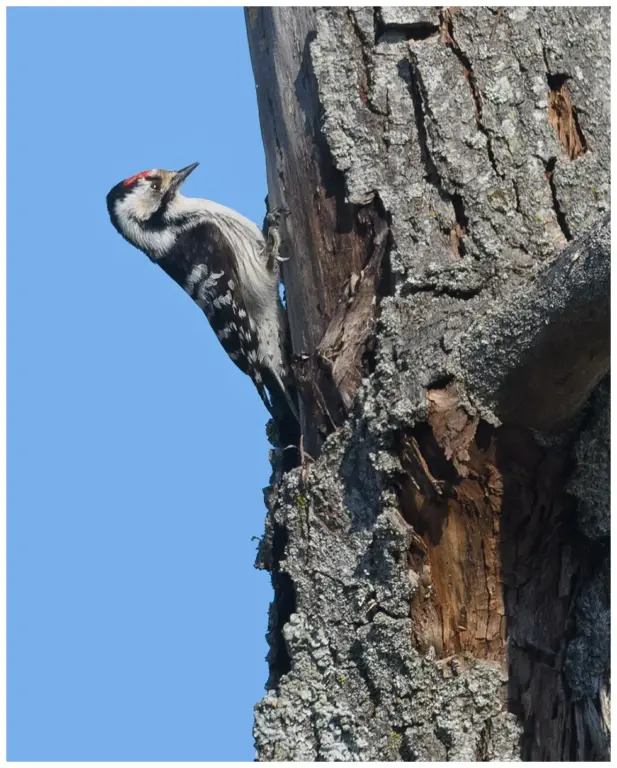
column 180, row 176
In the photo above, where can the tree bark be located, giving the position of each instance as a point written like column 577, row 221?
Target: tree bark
column 440, row 558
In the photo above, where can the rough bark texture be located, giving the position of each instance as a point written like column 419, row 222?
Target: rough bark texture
column 441, row 568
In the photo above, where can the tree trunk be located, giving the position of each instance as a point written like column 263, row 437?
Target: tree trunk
column 440, row 558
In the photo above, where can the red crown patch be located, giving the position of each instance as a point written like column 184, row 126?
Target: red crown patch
column 133, row 179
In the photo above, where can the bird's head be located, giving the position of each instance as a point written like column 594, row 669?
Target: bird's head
column 141, row 203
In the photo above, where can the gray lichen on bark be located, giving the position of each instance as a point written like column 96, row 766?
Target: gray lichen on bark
column 356, row 689
column 457, row 128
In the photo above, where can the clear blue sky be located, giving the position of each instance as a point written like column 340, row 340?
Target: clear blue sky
column 136, row 449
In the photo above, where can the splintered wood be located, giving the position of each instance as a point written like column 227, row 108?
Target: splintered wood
column 482, row 501
column 452, row 498
column 562, row 116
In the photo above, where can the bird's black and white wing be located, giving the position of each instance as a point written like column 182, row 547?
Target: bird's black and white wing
column 204, row 264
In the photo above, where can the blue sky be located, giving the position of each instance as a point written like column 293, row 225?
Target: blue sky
column 136, row 449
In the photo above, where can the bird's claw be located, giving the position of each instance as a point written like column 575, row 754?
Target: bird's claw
column 274, row 216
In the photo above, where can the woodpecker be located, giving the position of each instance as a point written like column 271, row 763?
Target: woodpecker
column 221, row 260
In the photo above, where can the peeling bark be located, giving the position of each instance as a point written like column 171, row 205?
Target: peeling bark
column 440, row 564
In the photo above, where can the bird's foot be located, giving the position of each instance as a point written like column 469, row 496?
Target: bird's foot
column 273, row 217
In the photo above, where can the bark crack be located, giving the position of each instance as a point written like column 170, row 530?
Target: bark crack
column 483, row 743
column 559, row 214
column 356, row 656
column 410, row 72
column 366, row 75
column 285, row 602
column 442, row 290
column 447, row 35
column 517, row 196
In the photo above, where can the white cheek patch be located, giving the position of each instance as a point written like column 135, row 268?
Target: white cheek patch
column 138, row 207
column 139, row 204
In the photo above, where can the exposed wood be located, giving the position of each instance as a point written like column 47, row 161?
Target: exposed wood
column 331, row 241
column 499, row 564
column 344, row 342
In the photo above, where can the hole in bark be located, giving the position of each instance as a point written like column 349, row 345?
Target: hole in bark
column 420, row 30
column 416, row 30
column 557, row 81
column 484, row 434
column 441, row 381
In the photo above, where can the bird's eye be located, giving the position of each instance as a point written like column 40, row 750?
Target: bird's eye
column 155, row 185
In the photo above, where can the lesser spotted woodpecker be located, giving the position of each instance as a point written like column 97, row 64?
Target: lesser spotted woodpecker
column 221, row 260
